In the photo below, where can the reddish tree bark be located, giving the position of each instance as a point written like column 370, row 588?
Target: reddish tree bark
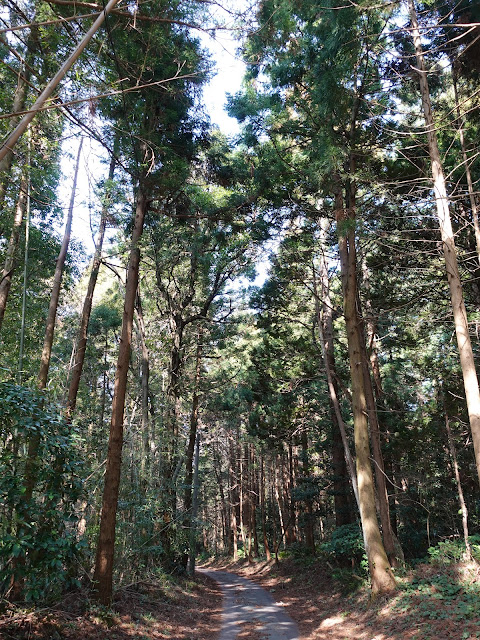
column 103, row 574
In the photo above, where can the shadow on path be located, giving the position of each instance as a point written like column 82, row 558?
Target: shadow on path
column 245, row 603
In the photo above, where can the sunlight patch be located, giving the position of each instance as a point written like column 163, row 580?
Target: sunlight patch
column 331, row 622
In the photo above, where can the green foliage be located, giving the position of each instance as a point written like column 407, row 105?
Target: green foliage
column 448, row 552
column 346, row 544
column 303, row 555
column 443, row 595
column 348, row 580
column 38, row 547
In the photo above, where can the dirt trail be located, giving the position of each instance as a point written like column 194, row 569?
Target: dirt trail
column 249, row 611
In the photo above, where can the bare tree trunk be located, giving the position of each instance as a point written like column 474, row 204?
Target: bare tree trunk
column 81, row 345
column 380, row 477
column 223, row 503
column 233, row 497
column 254, row 499
column 275, row 542
column 241, row 493
column 18, row 105
column 103, row 574
column 193, row 519
column 192, row 439
column 306, row 471
column 145, row 394
column 9, row 264
column 461, row 498
column 289, row 484
column 19, row 130
column 468, row 173
column 280, row 513
column 248, row 502
column 381, row 574
column 34, row 441
column 467, row 362
column 25, row 278
column 325, row 329
column 57, row 282
column 47, row 347
column 103, row 397
column 262, row 489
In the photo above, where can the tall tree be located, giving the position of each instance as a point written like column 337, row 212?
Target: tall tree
column 160, row 122
column 81, row 343
column 57, row 282
column 470, row 380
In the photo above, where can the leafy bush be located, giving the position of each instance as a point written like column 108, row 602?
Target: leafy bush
column 39, row 486
column 345, row 545
column 449, row 552
column 300, row 552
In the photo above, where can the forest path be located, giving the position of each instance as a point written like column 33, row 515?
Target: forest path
column 250, row 611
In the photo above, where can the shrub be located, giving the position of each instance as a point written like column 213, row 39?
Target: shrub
column 346, row 544
column 38, row 543
column 449, row 552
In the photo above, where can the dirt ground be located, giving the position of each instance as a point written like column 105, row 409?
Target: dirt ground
column 432, row 604
column 433, row 607
column 187, row 610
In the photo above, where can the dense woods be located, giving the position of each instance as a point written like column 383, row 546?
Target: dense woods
column 157, row 403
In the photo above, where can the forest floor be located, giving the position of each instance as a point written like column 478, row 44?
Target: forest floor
column 158, row 609
column 432, row 603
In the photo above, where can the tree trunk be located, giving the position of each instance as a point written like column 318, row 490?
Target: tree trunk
column 34, row 441
column 306, row 471
column 193, row 430
column 325, row 330
column 233, row 490
column 147, row 438
column 254, row 499
column 262, row 489
column 217, row 467
column 381, row 574
column 467, row 362
column 47, row 347
column 19, row 130
column 241, row 490
column 18, row 105
column 380, row 477
column 81, row 345
column 103, row 574
column 288, row 486
column 9, row 264
column 280, row 512
column 461, row 498
column 192, row 440
column 193, row 519
column 57, row 282
column 468, row 173
column 25, row 280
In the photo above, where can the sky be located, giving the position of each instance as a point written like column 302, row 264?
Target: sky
column 230, row 69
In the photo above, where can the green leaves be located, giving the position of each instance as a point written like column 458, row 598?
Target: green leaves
column 36, row 519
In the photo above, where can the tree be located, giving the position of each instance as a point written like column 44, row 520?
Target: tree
column 472, row 391
column 81, row 343
column 321, row 91
column 149, row 157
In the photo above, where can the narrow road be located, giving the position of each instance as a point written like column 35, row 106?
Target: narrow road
column 248, row 606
